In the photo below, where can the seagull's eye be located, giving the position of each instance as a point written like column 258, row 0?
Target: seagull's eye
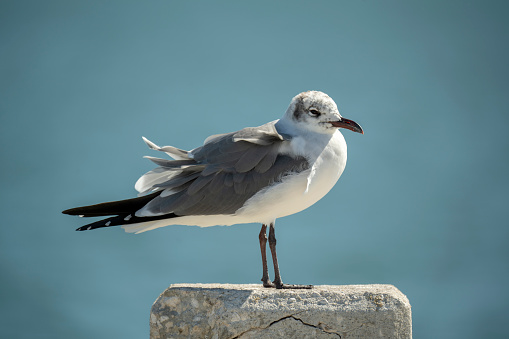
column 314, row 112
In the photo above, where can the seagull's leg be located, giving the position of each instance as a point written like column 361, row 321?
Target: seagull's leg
column 263, row 246
column 278, row 282
column 272, row 244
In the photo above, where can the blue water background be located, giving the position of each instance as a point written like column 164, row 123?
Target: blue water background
column 423, row 202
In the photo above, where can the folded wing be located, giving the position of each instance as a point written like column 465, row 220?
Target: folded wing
column 227, row 171
column 216, row 178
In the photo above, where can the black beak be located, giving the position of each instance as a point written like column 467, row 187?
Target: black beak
column 348, row 124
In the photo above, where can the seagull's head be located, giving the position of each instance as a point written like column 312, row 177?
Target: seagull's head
column 316, row 111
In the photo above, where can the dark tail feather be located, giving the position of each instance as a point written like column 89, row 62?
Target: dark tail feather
column 123, row 212
column 98, row 224
column 124, row 219
column 121, row 207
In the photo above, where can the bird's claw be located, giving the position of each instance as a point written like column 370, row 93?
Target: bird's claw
column 295, row 287
column 280, row 286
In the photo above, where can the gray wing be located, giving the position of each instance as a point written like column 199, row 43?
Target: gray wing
column 222, row 174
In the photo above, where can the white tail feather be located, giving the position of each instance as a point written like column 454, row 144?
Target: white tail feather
column 145, row 226
column 173, row 152
column 157, row 176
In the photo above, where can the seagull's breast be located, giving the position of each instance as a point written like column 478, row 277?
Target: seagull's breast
column 300, row 190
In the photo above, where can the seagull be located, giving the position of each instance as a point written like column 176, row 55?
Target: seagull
column 254, row 175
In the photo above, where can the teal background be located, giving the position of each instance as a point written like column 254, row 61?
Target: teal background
column 423, row 202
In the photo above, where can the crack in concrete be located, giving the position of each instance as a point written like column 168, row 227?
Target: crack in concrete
column 292, row 316
column 320, row 326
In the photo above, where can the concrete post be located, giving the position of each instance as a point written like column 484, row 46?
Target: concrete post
column 251, row 311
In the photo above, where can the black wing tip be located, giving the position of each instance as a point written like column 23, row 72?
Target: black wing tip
column 120, row 220
column 69, row 212
column 113, row 221
column 83, row 212
column 79, row 211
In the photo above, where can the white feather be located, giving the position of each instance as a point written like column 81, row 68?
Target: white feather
column 157, row 176
column 173, row 152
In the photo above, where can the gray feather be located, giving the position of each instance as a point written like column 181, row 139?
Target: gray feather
column 252, row 157
column 210, row 169
column 240, row 187
column 267, row 162
column 263, row 135
column 198, row 184
column 217, row 183
column 238, row 177
column 228, row 180
column 170, row 163
column 179, row 180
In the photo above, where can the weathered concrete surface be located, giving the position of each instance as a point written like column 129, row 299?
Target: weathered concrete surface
column 251, row 311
